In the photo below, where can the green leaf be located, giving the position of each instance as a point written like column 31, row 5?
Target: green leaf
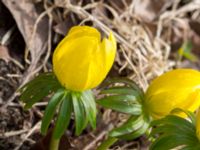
column 90, row 107
column 122, row 103
column 40, row 94
column 171, row 129
column 41, row 80
column 167, row 142
column 79, row 110
column 176, row 122
column 50, row 110
column 126, row 81
column 39, row 88
column 121, row 90
column 174, row 131
column 136, row 133
column 171, row 124
column 133, row 124
column 188, row 113
column 192, row 147
column 63, row 117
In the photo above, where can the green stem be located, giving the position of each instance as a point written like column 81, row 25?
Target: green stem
column 54, row 144
column 107, row 143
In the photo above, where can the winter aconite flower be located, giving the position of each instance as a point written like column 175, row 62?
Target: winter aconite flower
column 178, row 88
column 81, row 61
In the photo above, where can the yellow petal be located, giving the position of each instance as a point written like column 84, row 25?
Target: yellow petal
column 78, row 31
column 103, row 61
column 80, row 62
column 178, row 88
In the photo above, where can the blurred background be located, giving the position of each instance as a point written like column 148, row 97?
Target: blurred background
column 153, row 36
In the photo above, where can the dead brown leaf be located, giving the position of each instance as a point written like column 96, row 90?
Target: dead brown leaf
column 25, row 16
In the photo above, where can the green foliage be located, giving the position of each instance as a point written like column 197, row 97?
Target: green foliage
column 64, row 116
column 50, row 109
column 127, row 98
column 84, row 110
column 38, row 88
column 136, row 133
column 189, row 114
column 82, row 104
column 80, row 115
column 173, row 131
column 132, row 129
column 122, row 103
column 127, row 83
column 90, row 107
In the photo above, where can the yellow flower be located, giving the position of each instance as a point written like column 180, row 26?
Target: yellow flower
column 178, row 88
column 81, row 61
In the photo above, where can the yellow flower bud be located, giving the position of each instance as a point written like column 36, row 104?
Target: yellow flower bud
column 178, row 88
column 81, row 61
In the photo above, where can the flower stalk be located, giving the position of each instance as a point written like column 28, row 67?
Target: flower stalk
column 54, row 144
